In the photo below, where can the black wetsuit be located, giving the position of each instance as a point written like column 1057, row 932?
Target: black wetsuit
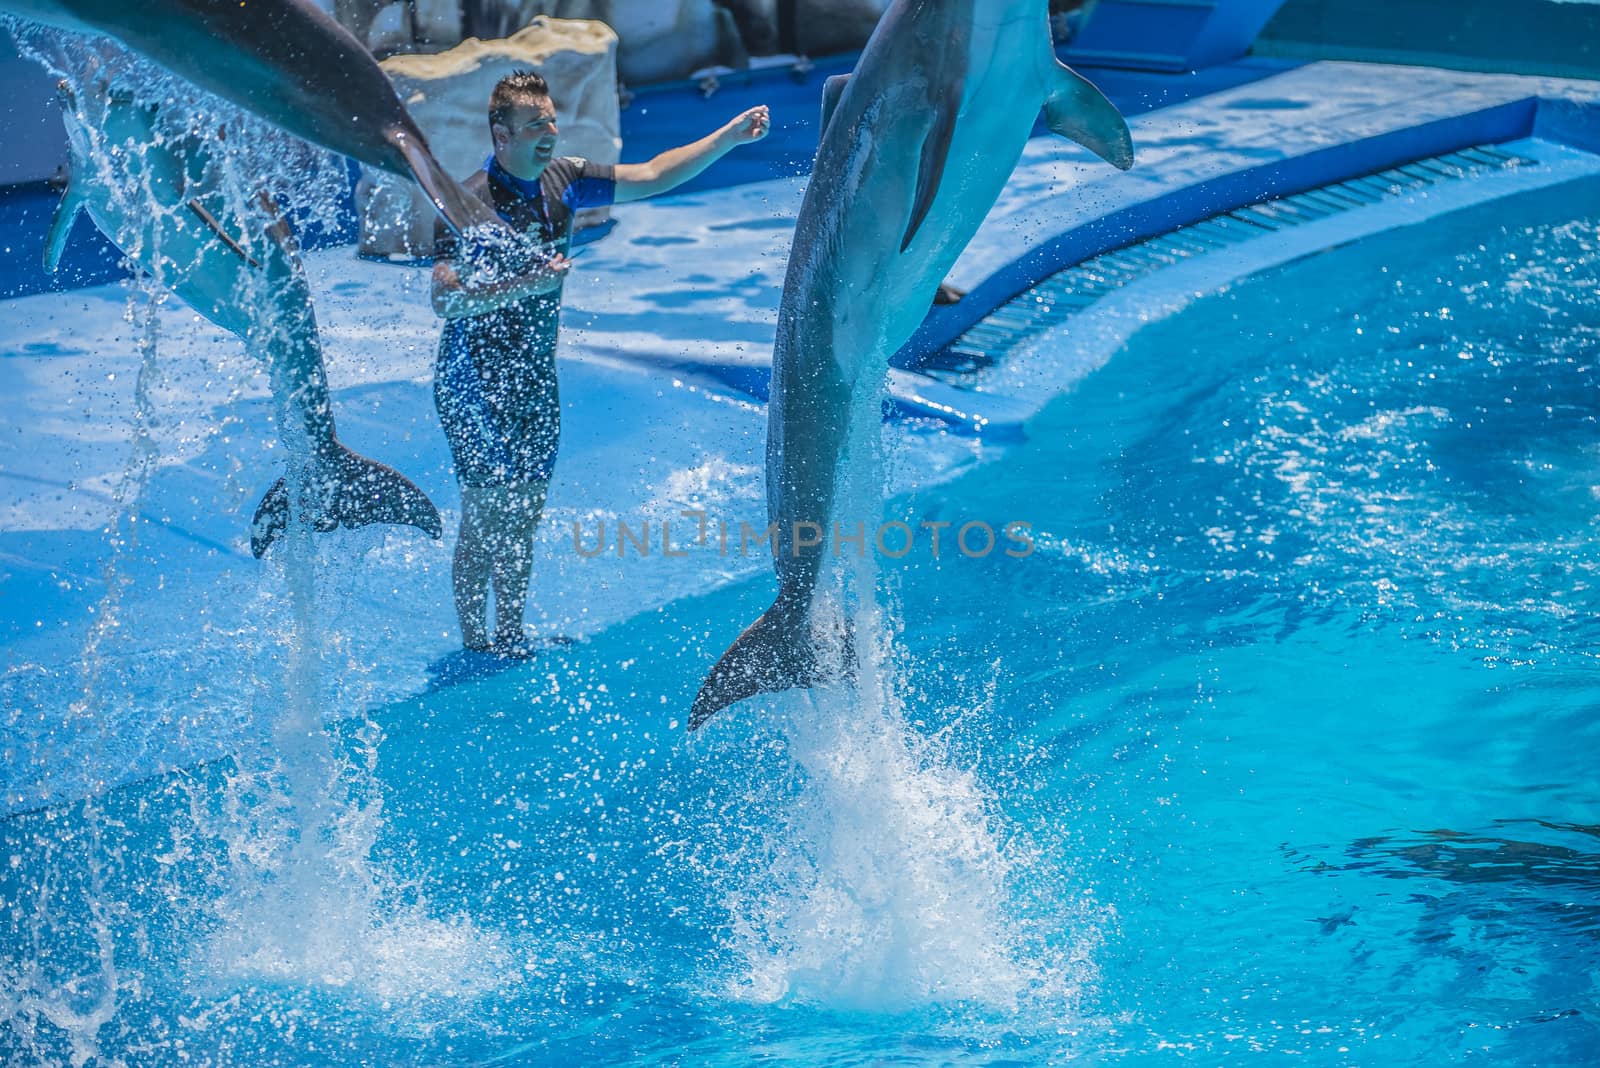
column 495, row 378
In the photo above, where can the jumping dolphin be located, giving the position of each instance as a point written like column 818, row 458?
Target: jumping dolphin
column 286, row 61
column 158, row 199
column 916, row 145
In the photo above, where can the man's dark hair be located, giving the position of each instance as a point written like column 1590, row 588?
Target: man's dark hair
column 516, row 89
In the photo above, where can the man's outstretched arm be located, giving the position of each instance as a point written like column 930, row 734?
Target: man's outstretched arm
column 672, row 168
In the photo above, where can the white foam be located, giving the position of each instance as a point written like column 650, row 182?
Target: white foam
column 305, row 904
column 889, row 886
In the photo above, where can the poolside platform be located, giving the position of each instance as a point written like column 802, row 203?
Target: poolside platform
column 665, row 356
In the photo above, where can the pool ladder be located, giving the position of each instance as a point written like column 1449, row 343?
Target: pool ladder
column 1068, row 291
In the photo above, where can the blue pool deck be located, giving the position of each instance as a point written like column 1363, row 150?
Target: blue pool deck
column 664, row 360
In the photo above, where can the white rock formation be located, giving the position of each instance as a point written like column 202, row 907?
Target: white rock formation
column 660, row 40
column 448, row 95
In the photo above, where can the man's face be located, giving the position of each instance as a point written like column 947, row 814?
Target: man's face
column 525, row 142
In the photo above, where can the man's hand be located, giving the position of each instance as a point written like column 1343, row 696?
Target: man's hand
column 453, row 298
column 751, row 126
column 548, row 275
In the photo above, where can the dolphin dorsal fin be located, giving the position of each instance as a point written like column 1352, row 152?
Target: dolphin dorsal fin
column 1075, row 109
column 55, row 242
column 832, row 90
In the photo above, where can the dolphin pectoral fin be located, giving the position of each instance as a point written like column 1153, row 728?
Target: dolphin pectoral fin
column 832, row 90
column 350, row 491
column 1077, row 110
column 55, row 242
column 935, row 150
column 772, row 655
column 460, row 209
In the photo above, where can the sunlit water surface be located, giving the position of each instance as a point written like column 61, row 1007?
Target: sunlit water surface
column 1283, row 741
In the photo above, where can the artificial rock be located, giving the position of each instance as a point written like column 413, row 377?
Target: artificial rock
column 448, row 95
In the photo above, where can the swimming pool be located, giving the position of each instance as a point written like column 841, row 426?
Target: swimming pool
column 1280, row 741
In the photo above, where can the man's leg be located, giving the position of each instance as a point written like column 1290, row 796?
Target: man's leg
column 522, row 507
column 473, row 564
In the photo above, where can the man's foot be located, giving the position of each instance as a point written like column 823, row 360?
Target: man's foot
column 478, row 645
column 516, row 649
column 523, row 646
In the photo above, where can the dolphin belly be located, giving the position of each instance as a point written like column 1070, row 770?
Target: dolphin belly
column 286, row 61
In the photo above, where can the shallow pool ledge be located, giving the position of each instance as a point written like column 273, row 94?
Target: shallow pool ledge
column 1298, row 130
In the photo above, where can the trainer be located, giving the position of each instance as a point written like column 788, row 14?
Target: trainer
column 495, row 379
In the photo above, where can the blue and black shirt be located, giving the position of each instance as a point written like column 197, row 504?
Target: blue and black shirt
column 495, row 381
column 543, row 208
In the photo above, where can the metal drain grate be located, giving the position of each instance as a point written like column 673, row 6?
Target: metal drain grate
column 1059, row 296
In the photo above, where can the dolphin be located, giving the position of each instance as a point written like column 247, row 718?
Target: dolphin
column 286, row 61
column 916, row 145
column 159, row 200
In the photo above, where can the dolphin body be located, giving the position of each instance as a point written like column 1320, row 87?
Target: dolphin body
column 286, row 61
column 159, row 200
column 916, row 146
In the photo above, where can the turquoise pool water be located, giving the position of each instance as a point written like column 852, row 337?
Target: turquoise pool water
column 1282, row 741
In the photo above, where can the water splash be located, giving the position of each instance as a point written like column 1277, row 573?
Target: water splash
column 888, row 886
column 272, row 867
column 884, row 878
column 79, row 995
column 306, row 905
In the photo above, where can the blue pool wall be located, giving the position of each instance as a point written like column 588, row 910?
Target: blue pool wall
column 1171, row 35
column 1570, row 122
column 1560, row 38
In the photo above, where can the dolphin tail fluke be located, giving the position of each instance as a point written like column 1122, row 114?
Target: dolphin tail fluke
column 350, row 491
column 460, row 209
column 772, row 655
column 1075, row 109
